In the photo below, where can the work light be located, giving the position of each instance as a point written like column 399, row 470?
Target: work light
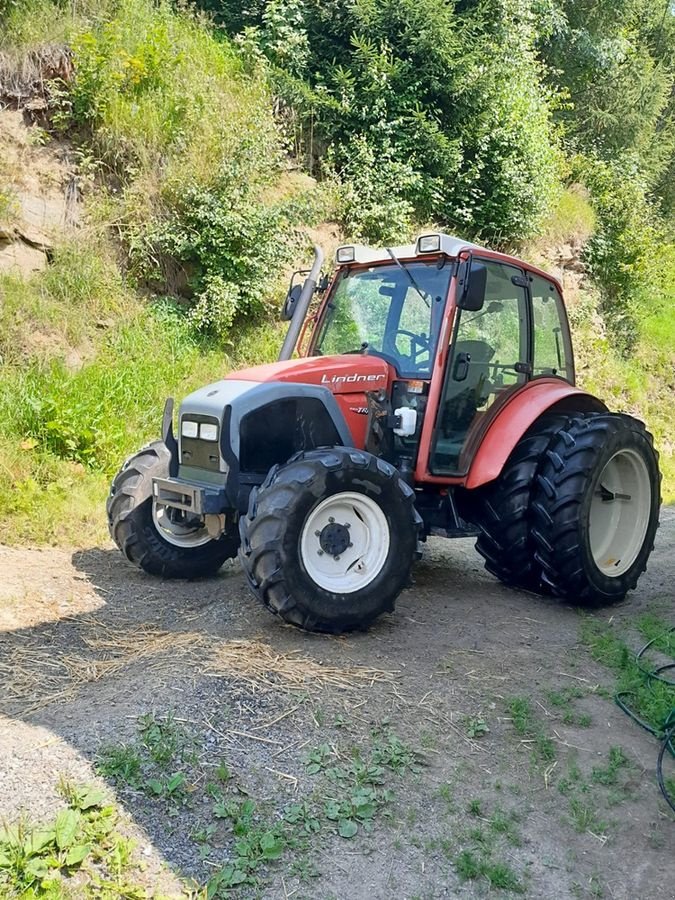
column 429, row 243
column 345, row 254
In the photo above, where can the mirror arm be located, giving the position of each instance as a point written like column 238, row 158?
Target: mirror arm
column 302, row 306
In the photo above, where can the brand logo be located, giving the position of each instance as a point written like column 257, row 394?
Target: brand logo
column 350, row 379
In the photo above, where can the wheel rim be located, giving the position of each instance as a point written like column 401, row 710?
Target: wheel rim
column 177, row 532
column 344, row 542
column 619, row 513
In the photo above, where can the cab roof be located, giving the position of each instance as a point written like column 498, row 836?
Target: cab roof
column 447, row 244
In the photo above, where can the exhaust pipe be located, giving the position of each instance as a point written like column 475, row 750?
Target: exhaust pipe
column 302, row 305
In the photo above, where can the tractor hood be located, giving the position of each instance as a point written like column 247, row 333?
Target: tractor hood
column 347, row 374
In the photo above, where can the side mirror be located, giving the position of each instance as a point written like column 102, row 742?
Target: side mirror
column 472, row 283
column 292, row 298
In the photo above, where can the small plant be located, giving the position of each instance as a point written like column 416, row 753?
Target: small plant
column 475, row 726
column 522, row 718
column 121, row 762
column 82, row 838
column 318, row 760
column 609, row 774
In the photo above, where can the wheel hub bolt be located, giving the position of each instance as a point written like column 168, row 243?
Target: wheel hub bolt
column 331, row 519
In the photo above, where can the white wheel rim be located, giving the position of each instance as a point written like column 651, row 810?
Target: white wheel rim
column 619, row 513
column 177, row 533
column 354, row 518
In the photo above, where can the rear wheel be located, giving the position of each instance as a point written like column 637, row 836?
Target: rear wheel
column 329, row 539
column 596, row 508
column 159, row 539
column 501, row 509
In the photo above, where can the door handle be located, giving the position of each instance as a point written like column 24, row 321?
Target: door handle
column 523, row 368
column 461, row 367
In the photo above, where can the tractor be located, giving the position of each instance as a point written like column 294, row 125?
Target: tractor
column 425, row 389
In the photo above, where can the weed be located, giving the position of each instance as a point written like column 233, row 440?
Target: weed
column 526, row 725
column 470, row 866
column 319, row 759
column 475, row 807
column 505, row 824
column 585, row 817
column 475, row 726
column 389, row 751
column 82, row 838
column 609, row 774
column 121, row 762
column 522, row 718
column 164, row 739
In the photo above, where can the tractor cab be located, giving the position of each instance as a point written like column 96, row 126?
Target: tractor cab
column 459, row 325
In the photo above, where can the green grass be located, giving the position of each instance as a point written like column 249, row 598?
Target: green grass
column 81, row 846
column 607, row 643
column 470, row 866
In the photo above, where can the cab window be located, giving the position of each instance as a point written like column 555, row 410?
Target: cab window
column 552, row 351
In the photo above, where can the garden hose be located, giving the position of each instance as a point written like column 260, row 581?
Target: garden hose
column 666, row 733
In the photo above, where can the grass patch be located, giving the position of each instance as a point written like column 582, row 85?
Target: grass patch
column 81, row 847
column 649, row 699
column 526, row 724
column 471, row 866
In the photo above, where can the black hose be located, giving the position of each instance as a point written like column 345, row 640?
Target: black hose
column 667, row 732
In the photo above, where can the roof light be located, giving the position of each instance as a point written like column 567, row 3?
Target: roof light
column 429, row 243
column 344, row 255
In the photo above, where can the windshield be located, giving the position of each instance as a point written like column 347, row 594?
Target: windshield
column 389, row 311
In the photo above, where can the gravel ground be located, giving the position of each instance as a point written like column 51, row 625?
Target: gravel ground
column 89, row 645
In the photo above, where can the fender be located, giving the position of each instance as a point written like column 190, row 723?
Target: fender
column 517, row 415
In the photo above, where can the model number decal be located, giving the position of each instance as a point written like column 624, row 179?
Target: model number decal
column 359, row 410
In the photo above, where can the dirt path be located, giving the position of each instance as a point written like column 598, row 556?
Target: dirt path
column 88, row 645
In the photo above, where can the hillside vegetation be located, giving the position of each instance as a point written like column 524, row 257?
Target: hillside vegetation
column 209, row 146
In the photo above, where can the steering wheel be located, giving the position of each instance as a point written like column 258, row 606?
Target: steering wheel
column 416, row 341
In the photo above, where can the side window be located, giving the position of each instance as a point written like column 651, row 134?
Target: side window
column 552, row 351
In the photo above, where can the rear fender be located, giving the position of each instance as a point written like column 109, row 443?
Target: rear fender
column 516, row 416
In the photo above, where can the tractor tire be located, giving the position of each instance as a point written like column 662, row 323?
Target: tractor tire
column 501, row 509
column 329, row 539
column 133, row 526
column 596, row 508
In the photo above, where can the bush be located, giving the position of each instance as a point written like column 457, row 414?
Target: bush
column 621, row 252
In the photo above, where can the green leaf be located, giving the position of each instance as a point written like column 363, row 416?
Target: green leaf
column 65, row 828
column 155, row 786
column 37, row 869
column 272, row 846
column 333, row 810
column 37, row 840
column 76, row 854
column 347, row 828
column 94, row 797
column 176, row 781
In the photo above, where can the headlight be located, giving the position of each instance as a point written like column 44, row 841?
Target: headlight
column 189, row 429
column 208, row 431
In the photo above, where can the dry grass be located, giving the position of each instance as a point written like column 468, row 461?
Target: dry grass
column 255, row 661
column 34, row 677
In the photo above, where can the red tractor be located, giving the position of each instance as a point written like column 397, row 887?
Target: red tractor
column 433, row 394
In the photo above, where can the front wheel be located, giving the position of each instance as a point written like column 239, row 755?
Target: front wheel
column 596, row 508
column 158, row 539
column 329, row 539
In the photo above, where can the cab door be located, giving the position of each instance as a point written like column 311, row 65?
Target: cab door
column 488, row 360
